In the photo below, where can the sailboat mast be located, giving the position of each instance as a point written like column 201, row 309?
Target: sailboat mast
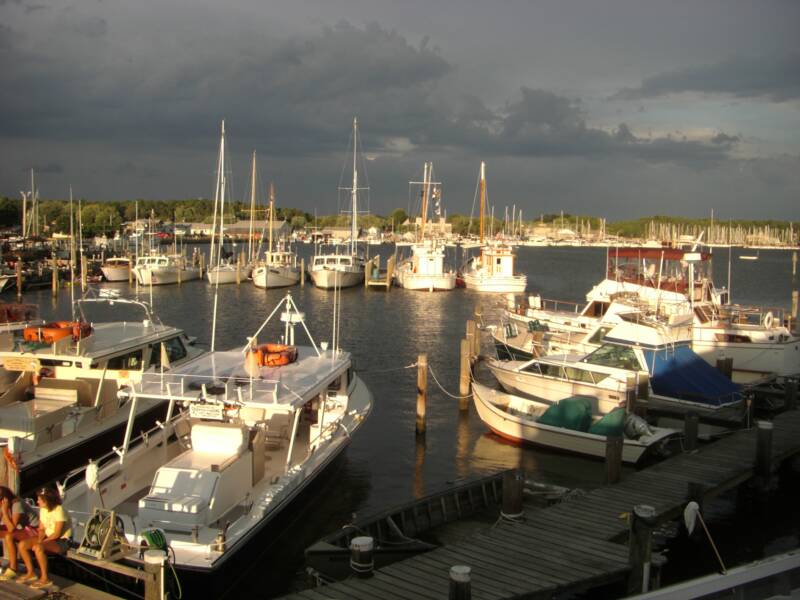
column 220, row 165
column 354, row 224
column 426, row 183
column 271, row 211
column 33, row 204
column 483, row 195
column 71, row 256
column 252, row 211
column 221, row 195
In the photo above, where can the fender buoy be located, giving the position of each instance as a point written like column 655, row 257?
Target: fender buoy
column 769, row 320
column 275, row 355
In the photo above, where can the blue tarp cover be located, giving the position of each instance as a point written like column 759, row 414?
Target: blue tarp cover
column 679, row 372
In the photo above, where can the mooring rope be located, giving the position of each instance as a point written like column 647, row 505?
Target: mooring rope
column 444, row 390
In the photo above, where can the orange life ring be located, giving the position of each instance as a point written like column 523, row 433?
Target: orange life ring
column 10, row 459
column 275, row 355
column 50, row 333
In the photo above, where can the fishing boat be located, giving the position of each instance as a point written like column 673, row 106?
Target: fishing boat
column 568, row 425
column 339, row 269
column 425, row 268
column 279, row 268
column 253, row 438
column 674, row 285
column 58, row 399
column 164, row 269
column 493, row 269
column 116, row 269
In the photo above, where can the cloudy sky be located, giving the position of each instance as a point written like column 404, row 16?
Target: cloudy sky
column 614, row 108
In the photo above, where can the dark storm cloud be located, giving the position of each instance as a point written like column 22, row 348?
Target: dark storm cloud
column 90, row 27
column 48, row 168
column 774, row 77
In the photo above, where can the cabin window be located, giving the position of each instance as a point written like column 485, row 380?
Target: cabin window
column 732, row 338
column 498, row 261
column 510, row 330
column 331, row 261
column 345, row 261
column 533, row 368
column 126, row 362
column 596, row 309
column 173, row 347
column 598, row 335
column 611, row 355
column 334, row 386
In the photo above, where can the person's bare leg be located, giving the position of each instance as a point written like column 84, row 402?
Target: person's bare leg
column 25, row 552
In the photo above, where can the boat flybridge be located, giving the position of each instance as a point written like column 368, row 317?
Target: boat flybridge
column 262, row 422
column 58, row 398
column 675, row 285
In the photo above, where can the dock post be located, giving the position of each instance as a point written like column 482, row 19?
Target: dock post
column 202, row 264
column 690, row 427
column 640, row 547
column 55, row 276
column 460, row 587
column 631, row 390
column 238, row 270
column 422, row 392
column 790, row 394
column 614, row 444
column 130, row 272
column 763, row 466
column 464, row 375
column 361, row 561
column 302, row 272
column 513, row 486
column 154, row 566
column 18, row 269
column 472, row 336
column 83, row 273
column 181, row 265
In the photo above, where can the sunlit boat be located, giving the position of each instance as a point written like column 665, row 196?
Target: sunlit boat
column 164, row 269
column 253, row 438
column 58, row 402
column 116, row 269
column 279, row 267
column 525, row 420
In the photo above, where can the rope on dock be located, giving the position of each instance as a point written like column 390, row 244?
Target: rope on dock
column 444, row 390
column 411, row 366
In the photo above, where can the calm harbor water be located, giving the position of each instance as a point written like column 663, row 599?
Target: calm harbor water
column 385, row 332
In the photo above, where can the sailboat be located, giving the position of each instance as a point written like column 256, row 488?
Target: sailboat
column 493, row 269
column 425, row 269
column 221, row 269
column 280, row 266
column 339, row 270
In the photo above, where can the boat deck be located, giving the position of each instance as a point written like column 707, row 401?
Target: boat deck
column 577, row 544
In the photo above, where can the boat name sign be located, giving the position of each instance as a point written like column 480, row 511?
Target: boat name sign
column 206, row 411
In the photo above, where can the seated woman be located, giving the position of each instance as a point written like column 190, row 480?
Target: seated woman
column 53, row 537
column 19, row 522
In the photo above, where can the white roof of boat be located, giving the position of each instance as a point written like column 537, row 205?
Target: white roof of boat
column 223, row 374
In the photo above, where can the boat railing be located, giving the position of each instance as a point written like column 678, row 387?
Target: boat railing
column 191, row 387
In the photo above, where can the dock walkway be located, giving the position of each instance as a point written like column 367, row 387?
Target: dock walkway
column 577, row 544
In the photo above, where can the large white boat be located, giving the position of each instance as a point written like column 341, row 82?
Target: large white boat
column 164, row 269
column 425, row 268
column 338, row 269
column 524, row 420
column 675, row 285
column 58, row 402
column 493, row 269
column 263, row 422
column 116, row 269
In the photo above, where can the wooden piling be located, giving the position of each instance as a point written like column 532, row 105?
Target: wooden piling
column 84, row 283
column 790, row 394
column 464, row 375
column 763, row 465
column 513, row 493
column 361, row 556
column 472, row 336
column 614, row 445
column 794, row 306
column 18, row 268
column 631, row 389
column 154, row 566
column 238, row 270
column 460, row 586
column 202, row 264
column 302, row 272
column 130, row 271
column 640, row 547
column 422, row 392
column 690, row 427
column 54, row 276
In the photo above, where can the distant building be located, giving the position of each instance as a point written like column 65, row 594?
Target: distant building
column 241, row 229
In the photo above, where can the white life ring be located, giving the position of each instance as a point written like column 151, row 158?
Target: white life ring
column 768, row 320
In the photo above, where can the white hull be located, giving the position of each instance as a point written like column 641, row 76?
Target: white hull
column 116, row 273
column 417, row 281
column 275, row 277
column 165, row 275
column 328, row 278
column 510, row 284
column 224, row 275
column 490, row 405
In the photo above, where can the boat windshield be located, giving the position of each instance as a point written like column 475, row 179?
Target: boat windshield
column 611, row 355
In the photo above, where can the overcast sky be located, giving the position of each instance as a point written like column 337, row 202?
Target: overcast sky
column 612, row 108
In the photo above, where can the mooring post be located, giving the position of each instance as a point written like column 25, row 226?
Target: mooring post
column 513, row 489
column 794, row 307
column 464, row 375
column 790, row 394
column 640, row 547
column 130, row 271
column 690, row 426
column 631, row 389
column 83, row 273
column 422, row 392
column 361, row 556
column 18, row 269
column 238, row 270
column 302, row 272
column 181, row 265
column 55, row 276
column 472, row 333
column 614, row 445
column 763, row 466
column 154, row 566
column 460, row 583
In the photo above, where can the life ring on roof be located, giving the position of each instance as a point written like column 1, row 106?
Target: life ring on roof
column 769, row 319
column 50, row 333
column 275, row 355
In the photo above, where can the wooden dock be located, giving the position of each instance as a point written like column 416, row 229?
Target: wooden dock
column 66, row 589
column 580, row 543
column 383, row 278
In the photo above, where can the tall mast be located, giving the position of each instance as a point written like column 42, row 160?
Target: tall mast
column 220, row 167
column 33, row 204
column 483, row 195
column 354, row 224
column 221, row 195
column 252, row 211
column 271, row 210
column 71, row 256
column 426, row 181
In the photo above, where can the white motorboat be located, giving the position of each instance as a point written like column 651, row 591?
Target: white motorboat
column 164, row 269
column 279, row 268
column 116, row 269
column 525, row 420
column 253, row 438
column 337, row 269
column 59, row 402
column 493, row 269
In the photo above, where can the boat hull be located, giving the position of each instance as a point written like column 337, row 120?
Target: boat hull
column 165, row 275
column 328, row 279
column 272, row 277
column 224, row 275
column 430, row 283
column 116, row 273
column 510, row 284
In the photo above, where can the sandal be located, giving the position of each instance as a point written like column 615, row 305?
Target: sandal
column 41, row 584
column 27, row 578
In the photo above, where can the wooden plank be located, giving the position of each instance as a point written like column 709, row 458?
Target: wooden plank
column 355, row 591
column 415, row 587
column 385, row 587
column 500, row 575
column 503, row 560
column 588, row 544
column 441, row 572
